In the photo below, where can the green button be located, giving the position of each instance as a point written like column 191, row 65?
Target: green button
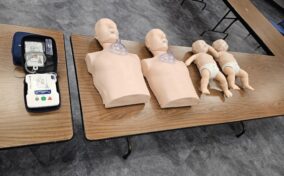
column 43, row 98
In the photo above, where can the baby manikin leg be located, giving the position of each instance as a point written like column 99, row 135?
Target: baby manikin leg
column 244, row 79
column 205, row 76
column 231, row 76
column 223, row 83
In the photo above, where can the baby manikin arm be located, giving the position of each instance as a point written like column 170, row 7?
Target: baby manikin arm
column 190, row 59
column 213, row 52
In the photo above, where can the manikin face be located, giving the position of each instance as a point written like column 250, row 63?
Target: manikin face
column 156, row 40
column 106, row 31
column 220, row 45
column 200, row 46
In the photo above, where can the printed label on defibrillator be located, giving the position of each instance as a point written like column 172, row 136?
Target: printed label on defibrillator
column 42, row 92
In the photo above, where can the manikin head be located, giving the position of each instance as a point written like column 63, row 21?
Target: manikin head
column 200, row 46
column 220, row 45
column 106, row 31
column 156, row 40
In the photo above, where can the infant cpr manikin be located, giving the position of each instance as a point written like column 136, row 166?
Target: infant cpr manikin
column 117, row 74
column 168, row 78
column 229, row 65
column 207, row 67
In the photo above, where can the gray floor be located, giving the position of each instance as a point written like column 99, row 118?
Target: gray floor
column 211, row 150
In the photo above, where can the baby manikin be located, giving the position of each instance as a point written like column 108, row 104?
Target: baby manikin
column 229, row 65
column 117, row 74
column 207, row 67
column 168, row 78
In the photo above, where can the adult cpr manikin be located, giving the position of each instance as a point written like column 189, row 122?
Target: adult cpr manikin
column 117, row 74
column 168, row 78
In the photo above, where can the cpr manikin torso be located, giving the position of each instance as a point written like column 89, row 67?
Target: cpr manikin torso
column 168, row 78
column 229, row 64
column 117, row 74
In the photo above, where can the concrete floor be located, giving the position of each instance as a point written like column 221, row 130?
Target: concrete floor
column 210, row 150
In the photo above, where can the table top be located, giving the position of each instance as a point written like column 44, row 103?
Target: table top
column 266, row 75
column 17, row 126
column 262, row 27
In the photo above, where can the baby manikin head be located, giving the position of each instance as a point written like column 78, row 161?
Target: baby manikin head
column 200, row 46
column 220, row 45
column 106, row 31
column 156, row 40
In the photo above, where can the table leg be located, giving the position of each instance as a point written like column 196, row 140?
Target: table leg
column 129, row 148
column 182, row 2
column 243, row 130
column 219, row 22
column 202, row 2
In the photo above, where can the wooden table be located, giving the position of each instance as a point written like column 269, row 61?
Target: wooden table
column 17, row 126
column 252, row 18
column 266, row 74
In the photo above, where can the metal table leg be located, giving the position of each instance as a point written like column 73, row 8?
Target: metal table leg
column 129, row 148
column 243, row 130
column 202, row 2
column 182, row 2
column 219, row 22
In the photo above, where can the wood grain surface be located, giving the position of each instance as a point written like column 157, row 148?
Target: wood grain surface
column 17, row 126
column 273, row 39
column 266, row 75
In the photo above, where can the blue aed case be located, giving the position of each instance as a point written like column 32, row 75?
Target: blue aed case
column 17, row 47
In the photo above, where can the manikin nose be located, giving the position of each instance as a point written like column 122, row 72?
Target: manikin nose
column 165, row 41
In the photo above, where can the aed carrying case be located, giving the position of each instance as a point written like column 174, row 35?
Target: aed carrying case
column 17, row 47
column 49, row 51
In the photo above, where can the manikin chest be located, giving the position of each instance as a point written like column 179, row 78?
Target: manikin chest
column 106, row 61
column 204, row 58
column 163, row 69
column 226, row 57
